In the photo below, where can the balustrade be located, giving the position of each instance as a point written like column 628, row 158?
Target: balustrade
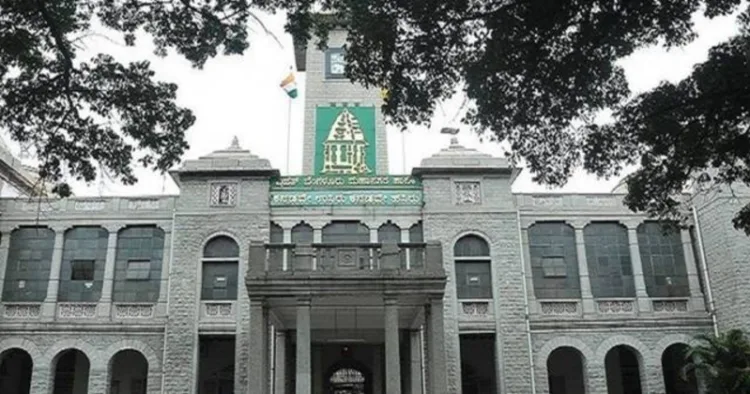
column 348, row 256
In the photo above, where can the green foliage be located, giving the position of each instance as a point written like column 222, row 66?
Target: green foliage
column 723, row 362
column 80, row 114
column 538, row 71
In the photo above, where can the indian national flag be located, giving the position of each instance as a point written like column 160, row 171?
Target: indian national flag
column 289, row 85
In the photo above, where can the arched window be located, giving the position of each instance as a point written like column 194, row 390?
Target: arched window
column 472, row 260
column 390, row 233
column 608, row 259
column 82, row 269
column 343, row 232
column 302, row 233
column 128, row 372
column 554, row 262
column 220, row 264
column 138, row 264
column 416, row 235
column 276, row 235
column 663, row 260
column 29, row 263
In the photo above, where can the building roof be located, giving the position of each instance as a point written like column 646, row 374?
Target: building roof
column 457, row 158
column 233, row 160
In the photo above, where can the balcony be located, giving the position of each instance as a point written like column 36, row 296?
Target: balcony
column 330, row 269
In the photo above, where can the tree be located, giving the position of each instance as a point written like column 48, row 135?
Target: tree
column 723, row 362
column 538, row 71
column 83, row 114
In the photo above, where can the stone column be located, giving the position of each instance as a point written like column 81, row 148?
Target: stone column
column 166, row 262
column 415, row 347
column 595, row 376
column 105, row 303
column 40, row 378
column 53, row 286
column 697, row 302
column 279, row 370
column 4, row 247
column 392, row 356
column 652, row 379
column 406, row 252
column 644, row 304
column 587, row 297
column 317, row 238
column 153, row 381
column 98, row 379
column 303, row 348
column 373, row 239
column 287, row 239
column 528, row 273
column 438, row 382
column 258, row 368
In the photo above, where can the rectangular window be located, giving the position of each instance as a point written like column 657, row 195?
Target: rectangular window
column 554, row 267
column 82, row 270
column 473, row 279
column 138, row 270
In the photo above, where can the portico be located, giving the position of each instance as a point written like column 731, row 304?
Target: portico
column 358, row 331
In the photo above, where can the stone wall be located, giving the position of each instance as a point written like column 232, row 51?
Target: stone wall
column 493, row 218
column 195, row 223
column 728, row 253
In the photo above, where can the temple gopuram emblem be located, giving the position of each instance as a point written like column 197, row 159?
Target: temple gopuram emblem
column 345, row 148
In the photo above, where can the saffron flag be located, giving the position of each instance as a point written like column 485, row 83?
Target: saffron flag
column 289, row 84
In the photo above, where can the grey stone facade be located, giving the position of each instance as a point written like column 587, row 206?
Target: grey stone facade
column 300, row 294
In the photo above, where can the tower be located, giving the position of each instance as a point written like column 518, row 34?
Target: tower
column 344, row 130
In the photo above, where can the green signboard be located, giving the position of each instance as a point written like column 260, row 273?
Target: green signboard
column 346, row 198
column 391, row 182
column 345, row 140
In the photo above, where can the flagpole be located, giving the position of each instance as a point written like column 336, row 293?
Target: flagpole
column 288, row 133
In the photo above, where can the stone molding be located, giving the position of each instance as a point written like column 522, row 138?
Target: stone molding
column 133, row 311
column 154, row 362
column 94, row 355
column 673, row 339
column 76, row 310
column 642, row 352
column 616, row 306
column 558, row 308
column 543, row 354
column 22, row 310
column 22, row 344
column 666, row 306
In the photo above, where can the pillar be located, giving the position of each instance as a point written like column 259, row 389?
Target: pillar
column 436, row 347
column 392, row 356
column 53, row 286
column 407, row 252
column 644, row 304
column 258, row 336
column 4, row 247
column 287, row 239
column 415, row 366
column 697, row 302
column 279, row 370
column 303, row 348
column 587, row 297
column 595, row 375
column 166, row 263
column 109, row 274
column 652, row 378
column 98, row 379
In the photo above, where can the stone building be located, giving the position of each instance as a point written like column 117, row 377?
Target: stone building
column 441, row 281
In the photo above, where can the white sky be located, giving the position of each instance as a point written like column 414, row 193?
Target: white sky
column 240, row 95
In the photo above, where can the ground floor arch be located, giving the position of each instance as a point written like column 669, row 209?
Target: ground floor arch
column 622, row 364
column 15, row 371
column 71, row 372
column 348, row 377
column 566, row 371
column 676, row 380
column 128, row 372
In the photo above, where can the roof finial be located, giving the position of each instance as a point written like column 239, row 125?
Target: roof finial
column 235, row 144
column 452, row 131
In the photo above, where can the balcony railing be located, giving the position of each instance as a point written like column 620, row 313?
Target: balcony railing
column 330, row 257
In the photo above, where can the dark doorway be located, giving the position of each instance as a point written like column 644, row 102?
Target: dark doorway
column 71, row 373
column 478, row 364
column 348, row 377
column 216, row 365
column 673, row 362
column 565, row 371
column 129, row 370
column 623, row 373
column 15, row 372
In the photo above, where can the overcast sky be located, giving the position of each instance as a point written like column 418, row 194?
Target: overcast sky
column 240, row 96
